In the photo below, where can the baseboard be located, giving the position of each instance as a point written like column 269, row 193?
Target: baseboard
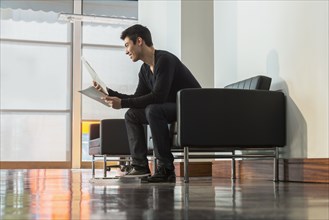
column 314, row 170
column 51, row 165
column 35, row 165
column 306, row 170
column 222, row 169
column 195, row 169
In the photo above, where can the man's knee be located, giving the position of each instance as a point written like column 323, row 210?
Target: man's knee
column 152, row 111
column 136, row 116
column 130, row 115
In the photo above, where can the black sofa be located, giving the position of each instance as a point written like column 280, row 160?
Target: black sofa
column 241, row 117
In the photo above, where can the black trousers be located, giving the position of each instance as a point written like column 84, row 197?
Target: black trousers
column 158, row 116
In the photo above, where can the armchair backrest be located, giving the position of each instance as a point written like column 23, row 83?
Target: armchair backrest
column 257, row 82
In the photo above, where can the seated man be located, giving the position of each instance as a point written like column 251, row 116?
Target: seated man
column 161, row 76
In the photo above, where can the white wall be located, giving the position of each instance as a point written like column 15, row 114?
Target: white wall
column 163, row 20
column 288, row 41
column 225, row 38
column 182, row 27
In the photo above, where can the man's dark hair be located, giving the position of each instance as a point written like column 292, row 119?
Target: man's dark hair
column 136, row 31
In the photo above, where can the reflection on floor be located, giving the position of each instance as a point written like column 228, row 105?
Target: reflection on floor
column 69, row 194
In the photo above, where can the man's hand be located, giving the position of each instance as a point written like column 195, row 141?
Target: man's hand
column 113, row 101
column 98, row 87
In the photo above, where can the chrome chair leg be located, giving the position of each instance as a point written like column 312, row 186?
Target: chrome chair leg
column 104, row 157
column 276, row 165
column 233, row 168
column 186, row 161
column 93, row 166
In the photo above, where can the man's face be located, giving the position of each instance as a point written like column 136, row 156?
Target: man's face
column 132, row 50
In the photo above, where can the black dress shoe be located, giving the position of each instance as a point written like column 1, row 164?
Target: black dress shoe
column 163, row 175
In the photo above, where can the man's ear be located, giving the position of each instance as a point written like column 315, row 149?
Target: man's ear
column 139, row 41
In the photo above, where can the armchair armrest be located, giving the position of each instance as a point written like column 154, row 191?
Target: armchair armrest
column 94, row 131
column 230, row 117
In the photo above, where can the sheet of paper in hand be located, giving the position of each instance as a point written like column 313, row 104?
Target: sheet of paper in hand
column 94, row 75
column 95, row 94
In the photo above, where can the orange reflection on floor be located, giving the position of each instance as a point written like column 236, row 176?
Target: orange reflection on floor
column 55, row 197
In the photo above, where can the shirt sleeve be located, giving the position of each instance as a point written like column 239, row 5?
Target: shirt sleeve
column 141, row 89
column 117, row 94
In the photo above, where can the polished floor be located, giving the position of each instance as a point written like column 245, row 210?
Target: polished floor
column 69, row 194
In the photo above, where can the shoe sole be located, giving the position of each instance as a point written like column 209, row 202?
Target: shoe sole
column 136, row 176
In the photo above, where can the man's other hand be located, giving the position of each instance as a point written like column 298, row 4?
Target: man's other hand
column 113, row 101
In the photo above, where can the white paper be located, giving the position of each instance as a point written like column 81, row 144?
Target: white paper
column 94, row 75
column 95, row 94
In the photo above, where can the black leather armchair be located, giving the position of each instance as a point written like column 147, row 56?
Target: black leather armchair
column 242, row 116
